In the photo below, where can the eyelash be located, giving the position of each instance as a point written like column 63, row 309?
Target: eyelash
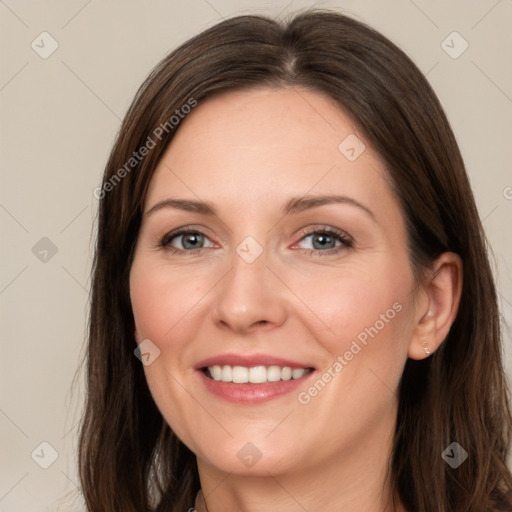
column 346, row 241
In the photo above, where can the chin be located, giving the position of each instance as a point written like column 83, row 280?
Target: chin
column 246, row 458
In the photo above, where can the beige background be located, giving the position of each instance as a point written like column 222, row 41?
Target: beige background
column 59, row 118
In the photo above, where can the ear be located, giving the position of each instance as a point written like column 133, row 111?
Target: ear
column 439, row 303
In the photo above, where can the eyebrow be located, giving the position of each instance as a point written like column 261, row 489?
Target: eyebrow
column 185, row 204
column 299, row 204
column 292, row 205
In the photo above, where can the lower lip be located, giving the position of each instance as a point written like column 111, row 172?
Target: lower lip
column 252, row 393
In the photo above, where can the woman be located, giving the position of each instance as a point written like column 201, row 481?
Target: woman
column 292, row 303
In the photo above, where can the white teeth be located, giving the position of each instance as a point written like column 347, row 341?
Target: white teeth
column 286, row 373
column 216, row 372
column 227, row 374
column 273, row 373
column 255, row 374
column 297, row 373
column 240, row 375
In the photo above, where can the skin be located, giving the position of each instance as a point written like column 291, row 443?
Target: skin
column 247, row 152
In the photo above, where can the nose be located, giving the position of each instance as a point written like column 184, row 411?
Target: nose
column 250, row 297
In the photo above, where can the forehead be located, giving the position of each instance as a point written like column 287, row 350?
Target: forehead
column 243, row 146
column 282, row 121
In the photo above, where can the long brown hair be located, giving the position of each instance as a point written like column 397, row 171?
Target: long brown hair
column 129, row 459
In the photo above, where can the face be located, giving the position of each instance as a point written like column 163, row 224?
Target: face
column 272, row 241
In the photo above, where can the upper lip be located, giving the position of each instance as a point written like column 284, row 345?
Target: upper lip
column 249, row 361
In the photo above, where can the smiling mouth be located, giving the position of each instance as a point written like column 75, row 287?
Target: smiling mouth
column 254, row 374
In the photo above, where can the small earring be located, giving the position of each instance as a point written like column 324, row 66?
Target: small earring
column 425, row 348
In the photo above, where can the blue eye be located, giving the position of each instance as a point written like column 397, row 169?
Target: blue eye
column 326, row 241
column 185, row 240
column 321, row 241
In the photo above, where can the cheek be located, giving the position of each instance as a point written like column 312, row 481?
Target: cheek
column 162, row 299
column 349, row 306
column 162, row 303
column 364, row 320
